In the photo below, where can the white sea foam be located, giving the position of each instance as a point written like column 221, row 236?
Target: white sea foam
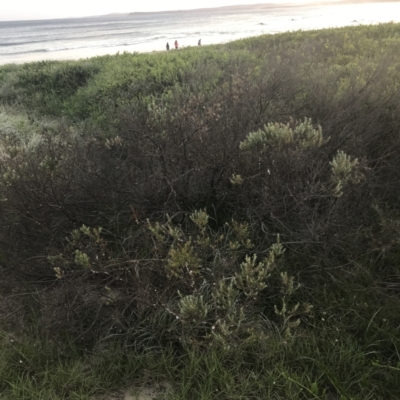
column 23, row 41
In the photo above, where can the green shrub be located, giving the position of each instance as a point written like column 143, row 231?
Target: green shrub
column 278, row 135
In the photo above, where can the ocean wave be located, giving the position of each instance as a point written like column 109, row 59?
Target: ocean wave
column 125, row 43
column 27, row 52
column 78, row 38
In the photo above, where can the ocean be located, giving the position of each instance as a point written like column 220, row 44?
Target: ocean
column 62, row 39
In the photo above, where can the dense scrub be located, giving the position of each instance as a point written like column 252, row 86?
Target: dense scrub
column 214, row 201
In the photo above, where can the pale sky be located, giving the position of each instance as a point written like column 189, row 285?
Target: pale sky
column 43, row 9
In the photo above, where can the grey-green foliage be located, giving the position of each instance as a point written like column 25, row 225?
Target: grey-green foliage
column 216, row 304
column 20, row 134
column 253, row 275
column 344, row 171
column 79, row 243
column 193, row 308
column 82, row 259
column 18, row 131
column 275, row 134
column 24, row 139
column 290, row 312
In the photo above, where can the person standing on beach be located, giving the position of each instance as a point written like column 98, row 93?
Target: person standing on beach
column 199, row 42
column 167, row 46
column 176, row 45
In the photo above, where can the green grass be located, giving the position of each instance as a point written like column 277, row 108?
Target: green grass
column 310, row 366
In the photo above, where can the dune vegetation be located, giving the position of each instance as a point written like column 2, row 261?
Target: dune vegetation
column 225, row 219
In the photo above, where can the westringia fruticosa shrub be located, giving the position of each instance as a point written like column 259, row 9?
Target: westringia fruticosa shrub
column 213, row 279
column 299, row 136
column 302, row 134
column 220, row 281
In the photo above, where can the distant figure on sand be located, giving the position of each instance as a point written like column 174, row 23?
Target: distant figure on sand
column 199, row 42
column 176, row 45
column 167, row 46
